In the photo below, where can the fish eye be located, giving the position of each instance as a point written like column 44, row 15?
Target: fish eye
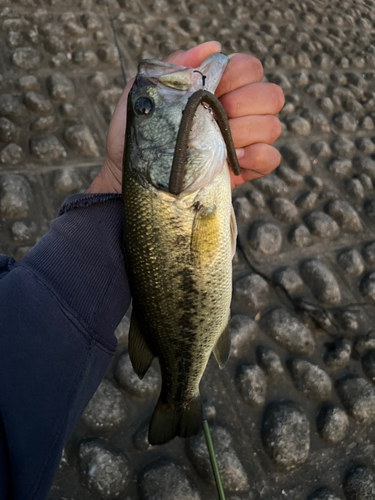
column 143, row 106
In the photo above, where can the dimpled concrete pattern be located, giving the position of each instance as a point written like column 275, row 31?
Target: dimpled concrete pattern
column 293, row 412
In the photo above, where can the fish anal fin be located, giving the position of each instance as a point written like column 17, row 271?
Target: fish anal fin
column 170, row 420
column 233, row 231
column 205, row 234
column 222, row 348
column 139, row 352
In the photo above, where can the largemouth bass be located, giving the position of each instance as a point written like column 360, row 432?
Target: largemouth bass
column 178, row 245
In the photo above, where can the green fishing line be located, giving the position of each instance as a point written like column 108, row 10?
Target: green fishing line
column 213, row 461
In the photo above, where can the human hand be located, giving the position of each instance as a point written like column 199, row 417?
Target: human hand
column 250, row 106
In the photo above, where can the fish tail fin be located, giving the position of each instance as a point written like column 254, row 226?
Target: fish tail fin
column 191, row 419
column 170, row 420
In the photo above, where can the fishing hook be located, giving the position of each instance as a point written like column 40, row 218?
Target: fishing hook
column 212, row 456
column 202, row 75
column 179, row 159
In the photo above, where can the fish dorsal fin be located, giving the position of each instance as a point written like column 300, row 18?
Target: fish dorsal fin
column 233, row 231
column 205, row 234
column 222, row 348
column 139, row 352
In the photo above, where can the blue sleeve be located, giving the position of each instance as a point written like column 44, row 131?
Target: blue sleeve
column 59, row 307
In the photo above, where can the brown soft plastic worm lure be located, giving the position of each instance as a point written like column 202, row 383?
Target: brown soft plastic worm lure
column 179, row 158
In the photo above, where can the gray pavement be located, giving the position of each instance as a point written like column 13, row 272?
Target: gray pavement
column 293, row 412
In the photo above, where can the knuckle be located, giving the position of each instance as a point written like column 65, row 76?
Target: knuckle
column 227, row 105
column 275, row 128
column 281, row 99
column 232, row 105
column 276, row 158
column 269, row 159
column 257, row 68
column 237, row 106
column 277, row 96
column 260, row 154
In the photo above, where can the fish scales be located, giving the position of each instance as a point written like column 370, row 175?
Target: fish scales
column 178, row 252
column 180, row 300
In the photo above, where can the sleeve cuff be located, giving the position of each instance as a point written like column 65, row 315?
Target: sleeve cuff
column 80, row 200
column 80, row 259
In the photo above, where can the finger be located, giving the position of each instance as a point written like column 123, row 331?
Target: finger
column 195, row 56
column 116, row 130
column 248, row 130
column 124, row 96
column 259, row 160
column 253, row 99
column 241, row 70
column 172, row 57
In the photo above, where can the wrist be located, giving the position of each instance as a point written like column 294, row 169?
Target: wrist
column 105, row 181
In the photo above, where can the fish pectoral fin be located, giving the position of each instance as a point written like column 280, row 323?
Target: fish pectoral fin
column 139, row 352
column 205, row 234
column 222, row 348
column 233, row 231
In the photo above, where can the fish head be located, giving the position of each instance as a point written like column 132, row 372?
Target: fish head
column 156, row 103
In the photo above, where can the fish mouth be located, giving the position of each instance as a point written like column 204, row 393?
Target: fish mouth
column 202, row 96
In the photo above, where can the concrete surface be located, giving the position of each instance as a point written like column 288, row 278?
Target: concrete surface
column 293, row 413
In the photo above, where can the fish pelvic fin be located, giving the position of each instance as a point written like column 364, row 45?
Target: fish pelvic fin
column 170, row 420
column 139, row 352
column 222, row 348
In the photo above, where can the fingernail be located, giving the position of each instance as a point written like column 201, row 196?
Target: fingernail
column 232, row 55
column 240, row 153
